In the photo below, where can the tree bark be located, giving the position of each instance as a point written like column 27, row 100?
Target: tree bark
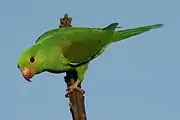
column 76, row 98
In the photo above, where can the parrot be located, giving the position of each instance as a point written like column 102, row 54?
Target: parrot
column 73, row 48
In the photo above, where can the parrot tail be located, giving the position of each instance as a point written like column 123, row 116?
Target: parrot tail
column 123, row 34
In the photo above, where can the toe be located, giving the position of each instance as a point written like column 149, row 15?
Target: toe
column 80, row 90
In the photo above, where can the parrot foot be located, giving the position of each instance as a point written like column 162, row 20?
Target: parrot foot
column 74, row 87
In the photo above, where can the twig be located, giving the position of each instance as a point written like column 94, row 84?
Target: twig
column 65, row 21
column 77, row 107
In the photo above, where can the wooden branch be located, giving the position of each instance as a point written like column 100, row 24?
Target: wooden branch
column 76, row 98
column 65, row 21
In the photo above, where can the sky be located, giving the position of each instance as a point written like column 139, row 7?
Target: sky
column 134, row 79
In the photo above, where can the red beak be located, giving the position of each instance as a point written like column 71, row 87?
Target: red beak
column 27, row 73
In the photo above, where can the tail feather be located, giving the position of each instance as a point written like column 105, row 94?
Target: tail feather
column 156, row 26
column 123, row 34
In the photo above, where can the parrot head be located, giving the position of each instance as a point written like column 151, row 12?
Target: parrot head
column 31, row 62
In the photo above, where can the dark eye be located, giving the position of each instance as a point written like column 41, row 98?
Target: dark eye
column 32, row 59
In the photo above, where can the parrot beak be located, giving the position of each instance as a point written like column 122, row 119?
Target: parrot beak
column 27, row 73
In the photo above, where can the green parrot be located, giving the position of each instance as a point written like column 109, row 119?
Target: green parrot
column 62, row 49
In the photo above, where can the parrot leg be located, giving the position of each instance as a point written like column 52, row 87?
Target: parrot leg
column 75, row 87
column 80, row 73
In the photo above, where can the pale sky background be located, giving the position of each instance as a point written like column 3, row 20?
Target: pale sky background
column 135, row 79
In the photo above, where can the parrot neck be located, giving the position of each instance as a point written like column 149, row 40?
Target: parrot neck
column 55, row 65
column 53, row 60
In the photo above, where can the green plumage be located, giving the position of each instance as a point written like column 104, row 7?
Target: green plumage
column 62, row 49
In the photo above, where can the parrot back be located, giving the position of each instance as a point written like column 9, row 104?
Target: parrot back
column 79, row 45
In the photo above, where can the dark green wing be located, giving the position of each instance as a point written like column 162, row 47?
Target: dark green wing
column 85, row 46
column 83, row 50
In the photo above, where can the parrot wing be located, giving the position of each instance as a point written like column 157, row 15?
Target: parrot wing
column 85, row 47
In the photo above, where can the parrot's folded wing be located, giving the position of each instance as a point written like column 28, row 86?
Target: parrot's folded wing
column 86, row 47
column 79, row 52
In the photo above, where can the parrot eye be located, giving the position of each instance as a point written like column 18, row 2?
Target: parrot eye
column 32, row 59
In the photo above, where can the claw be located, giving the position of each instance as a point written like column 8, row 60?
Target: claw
column 70, row 90
column 74, row 87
